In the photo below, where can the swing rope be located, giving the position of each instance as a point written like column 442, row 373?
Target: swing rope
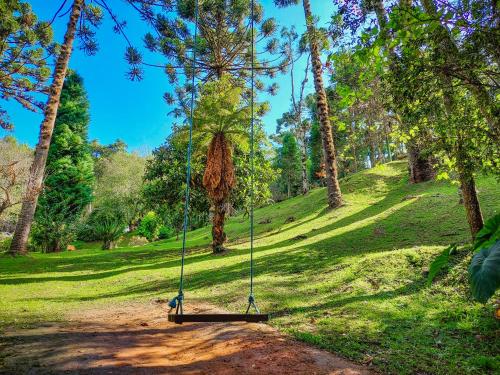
column 251, row 298
column 177, row 302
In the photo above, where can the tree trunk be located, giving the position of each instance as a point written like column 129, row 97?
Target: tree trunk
column 471, row 202
column 332, row 182
column 305, row 184
column 381, row 156
column 389, row 152
column 373, row 161
column 108, row 245
column 37, row 170
column 420, row 167
column 218, row 235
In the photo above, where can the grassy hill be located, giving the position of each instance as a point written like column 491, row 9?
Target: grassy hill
column 350, row 280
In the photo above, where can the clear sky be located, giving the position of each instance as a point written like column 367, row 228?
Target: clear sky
column 135, row 111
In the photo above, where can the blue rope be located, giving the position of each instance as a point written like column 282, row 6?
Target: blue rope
column 177, row 301
column 251, row 298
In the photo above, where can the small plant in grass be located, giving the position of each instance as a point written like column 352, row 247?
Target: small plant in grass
column 484, row 269
column 150, row 226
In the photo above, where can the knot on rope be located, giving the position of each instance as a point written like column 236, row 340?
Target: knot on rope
column 173, row 302
column 251, row 299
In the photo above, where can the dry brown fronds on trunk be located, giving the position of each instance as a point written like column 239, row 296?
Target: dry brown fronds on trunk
column 219, row 177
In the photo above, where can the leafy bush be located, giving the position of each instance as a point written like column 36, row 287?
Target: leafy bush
column 5, row 244
column 165, row 232
column 484, row 272
column 484, row 269
column 55, row 226
column 489, row 234
column 107, row 224
column 149, row 226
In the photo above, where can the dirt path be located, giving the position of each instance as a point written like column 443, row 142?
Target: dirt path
column 138, row 339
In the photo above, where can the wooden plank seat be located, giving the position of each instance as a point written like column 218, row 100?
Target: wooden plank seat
column 217, row 318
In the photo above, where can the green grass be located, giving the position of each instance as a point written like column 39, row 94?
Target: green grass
column 349, row 280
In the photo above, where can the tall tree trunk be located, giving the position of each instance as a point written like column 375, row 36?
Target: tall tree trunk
column 453, row 56
column 388, row 145
column 37, row 170
column 371, row 146
column 420, row 167
column 305, row 184
column 381, row 156
column 218, row 234
column 332, row 182
column 471, row 201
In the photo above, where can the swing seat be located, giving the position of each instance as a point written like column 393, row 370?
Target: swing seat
column 217, row 318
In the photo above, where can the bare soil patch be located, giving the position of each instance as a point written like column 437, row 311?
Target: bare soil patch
column 138, row 339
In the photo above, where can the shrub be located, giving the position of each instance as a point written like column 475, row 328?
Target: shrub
column 484, row 272
column 54, row 228
column 484, row 269
column 165, row 232
column 149, row 226
column 107, row 224
column 5, row 244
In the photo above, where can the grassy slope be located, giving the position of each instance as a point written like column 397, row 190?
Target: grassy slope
column 348, row 280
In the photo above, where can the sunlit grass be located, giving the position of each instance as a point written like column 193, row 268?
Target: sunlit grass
column 349, row 280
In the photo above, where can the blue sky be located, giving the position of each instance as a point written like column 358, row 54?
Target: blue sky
column 135, row 111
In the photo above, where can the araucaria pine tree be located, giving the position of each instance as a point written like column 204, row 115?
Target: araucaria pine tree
column 69, row 172
column 223, row 45
column 25, row 44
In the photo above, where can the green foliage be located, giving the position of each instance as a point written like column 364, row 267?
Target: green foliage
column 15, row 161
column 165, row 232
column 165, row 183
column 223, row 45
column 489, row 234
column 107, row 223
column 316, row 169
column 149, row 226
column 288, row 162
column 484, row 272
column 220, row 108
column 119, row 178
column 440, row 262
column 26, row 44
column 68, row 184
column 55, row 226
column 5, row 244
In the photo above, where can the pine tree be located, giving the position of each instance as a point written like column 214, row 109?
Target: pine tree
column 25, row 44
column 223, row 45
column 288, row 161
column 69, row 177
column 316, row 168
